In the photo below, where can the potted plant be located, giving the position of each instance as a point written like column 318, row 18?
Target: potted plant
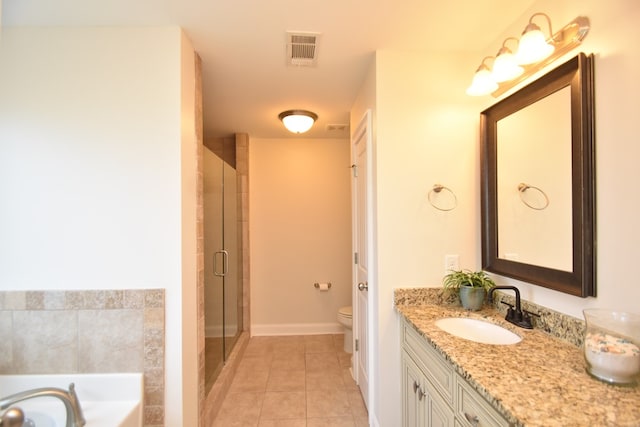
column 471, row 286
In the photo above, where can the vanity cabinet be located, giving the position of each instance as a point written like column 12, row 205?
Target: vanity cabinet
column 422, row 406
column 434, row 395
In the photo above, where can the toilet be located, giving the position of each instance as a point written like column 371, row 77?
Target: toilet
column 345, row 317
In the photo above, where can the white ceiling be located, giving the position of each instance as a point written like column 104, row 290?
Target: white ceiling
column 242, row 45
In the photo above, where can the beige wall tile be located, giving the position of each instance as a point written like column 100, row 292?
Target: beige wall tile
column 119, row 345
column 15, row 300
column 6, row 340
column 45, row 341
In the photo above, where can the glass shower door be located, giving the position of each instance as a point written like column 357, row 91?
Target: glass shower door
column 213, row 283
column 232, row 284
column 222, row 265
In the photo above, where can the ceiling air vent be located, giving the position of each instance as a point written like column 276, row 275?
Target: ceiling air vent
column 302, row 49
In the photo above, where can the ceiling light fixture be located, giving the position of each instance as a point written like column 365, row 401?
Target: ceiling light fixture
column 534, row 53
column 298, row 121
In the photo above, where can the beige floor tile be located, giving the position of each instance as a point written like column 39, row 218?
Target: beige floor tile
column 319, row 344
column 249, row 381
column 288, row 361
column 349, row 382
column 283, row 405
column 358, row 409
column 328, row 404
column 235, row 423
column 331, row 422
column 302, row 422
column 292, row 344
column 338, row 342
column 362, row 422
column 294, row 381
column 325, row 381
column 344, row 359
column 283, row 380
column 322, row 362
column 241, row 408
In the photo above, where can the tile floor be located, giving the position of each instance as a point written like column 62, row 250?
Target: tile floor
column 293, row 381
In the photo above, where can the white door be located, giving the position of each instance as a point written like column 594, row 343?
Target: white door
column 360, row 206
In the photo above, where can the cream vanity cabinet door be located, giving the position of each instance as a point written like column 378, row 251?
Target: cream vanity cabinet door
column 427, row 384
column 434, row 395
column 412, row 394
column 422, row 406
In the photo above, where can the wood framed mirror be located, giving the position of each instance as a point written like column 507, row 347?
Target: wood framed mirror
column 537, row 177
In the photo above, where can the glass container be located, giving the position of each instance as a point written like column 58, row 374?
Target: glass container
column 612, row 345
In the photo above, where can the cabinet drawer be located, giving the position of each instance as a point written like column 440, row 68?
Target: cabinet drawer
column 472, row 410
column 436, row 369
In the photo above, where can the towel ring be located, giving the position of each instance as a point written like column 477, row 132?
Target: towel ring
column 437, row 188
column 522, row 187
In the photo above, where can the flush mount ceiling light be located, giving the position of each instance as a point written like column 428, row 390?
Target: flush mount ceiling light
column 534, row 52
column 298, row 121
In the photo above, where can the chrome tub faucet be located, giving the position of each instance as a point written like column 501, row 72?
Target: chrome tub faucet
column 75, row 417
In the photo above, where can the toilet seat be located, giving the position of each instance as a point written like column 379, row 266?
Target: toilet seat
column 346, row 311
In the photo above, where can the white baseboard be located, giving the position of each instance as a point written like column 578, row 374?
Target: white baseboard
column 296, row 329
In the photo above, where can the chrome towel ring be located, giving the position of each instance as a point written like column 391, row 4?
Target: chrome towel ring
column 522, row 188
column 433, row 196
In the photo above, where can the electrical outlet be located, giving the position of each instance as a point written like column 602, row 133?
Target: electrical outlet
column 451, row 263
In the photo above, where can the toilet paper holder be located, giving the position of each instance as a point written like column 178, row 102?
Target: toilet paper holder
column 317, row 285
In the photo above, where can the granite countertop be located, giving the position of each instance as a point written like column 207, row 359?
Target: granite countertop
column 540, row 381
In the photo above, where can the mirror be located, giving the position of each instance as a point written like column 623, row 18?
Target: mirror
column 537, row 166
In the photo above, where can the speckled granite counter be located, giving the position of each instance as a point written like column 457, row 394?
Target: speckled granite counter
column 540, row 381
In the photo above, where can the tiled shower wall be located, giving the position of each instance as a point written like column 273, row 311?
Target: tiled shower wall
column 97, row 331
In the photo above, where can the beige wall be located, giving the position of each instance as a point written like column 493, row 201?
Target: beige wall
column 91, row 173
column 300, row 225
column 427, row 132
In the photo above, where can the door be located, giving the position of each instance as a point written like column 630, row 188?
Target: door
column 361, row 242
column 213, row 261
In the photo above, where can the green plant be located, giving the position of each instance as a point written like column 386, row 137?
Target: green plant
column 453, row 281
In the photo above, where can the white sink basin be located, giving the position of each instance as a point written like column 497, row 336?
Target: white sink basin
column 477, row 330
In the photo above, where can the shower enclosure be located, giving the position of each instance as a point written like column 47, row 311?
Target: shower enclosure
column 222, row 262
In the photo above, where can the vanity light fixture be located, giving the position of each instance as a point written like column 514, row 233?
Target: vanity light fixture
column 298, row 121
column 533, row 45
column 482, row 83
column 505, row 66
column 534, row 53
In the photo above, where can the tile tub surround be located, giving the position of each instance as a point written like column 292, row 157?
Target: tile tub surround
column 541, row 381
column 93, row 331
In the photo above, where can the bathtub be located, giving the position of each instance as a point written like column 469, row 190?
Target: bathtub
column 107, row 400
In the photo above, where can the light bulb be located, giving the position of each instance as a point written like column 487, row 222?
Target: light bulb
column 533, row 46
column 505, row 66
column 482, row 83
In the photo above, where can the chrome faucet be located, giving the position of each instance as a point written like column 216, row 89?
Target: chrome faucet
column 516, row 316
column 75, row 417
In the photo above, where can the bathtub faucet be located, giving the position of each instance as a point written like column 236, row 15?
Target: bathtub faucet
column 75, row 418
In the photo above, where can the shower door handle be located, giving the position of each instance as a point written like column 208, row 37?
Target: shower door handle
column 225, row 263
